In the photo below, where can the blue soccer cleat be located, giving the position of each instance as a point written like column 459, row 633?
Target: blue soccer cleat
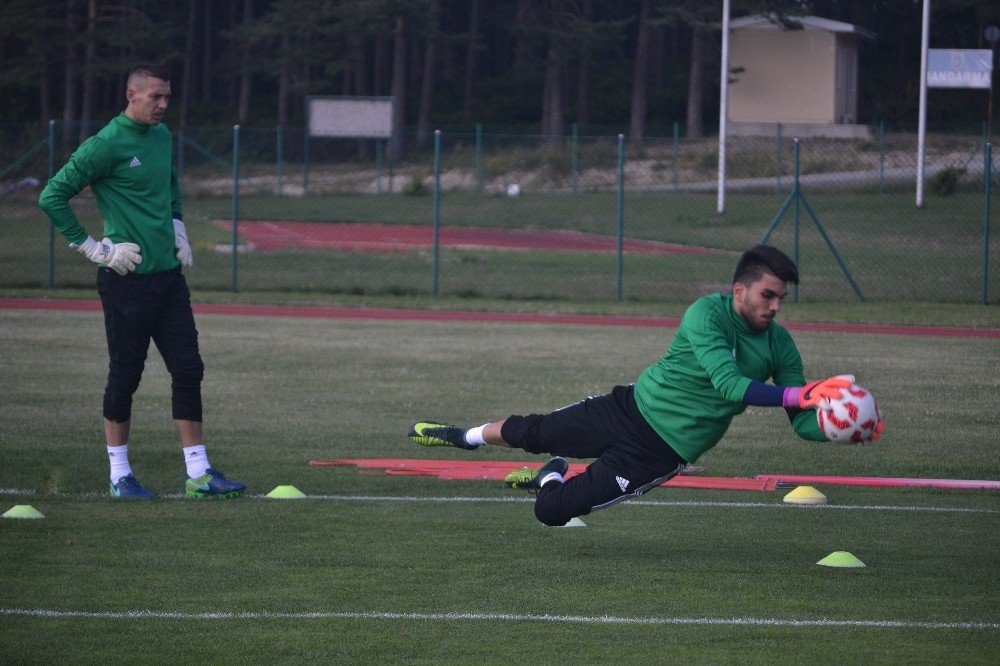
column 212, row 484
column 128, row 488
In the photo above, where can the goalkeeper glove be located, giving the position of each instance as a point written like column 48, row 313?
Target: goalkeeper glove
column 184, row 254
column 122, row 258
column 879, row 428
column 811, row 394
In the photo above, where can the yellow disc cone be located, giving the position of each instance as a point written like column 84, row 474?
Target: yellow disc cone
column 23, row 511
column 805, row 495
column 286, row 492
column 841, row 558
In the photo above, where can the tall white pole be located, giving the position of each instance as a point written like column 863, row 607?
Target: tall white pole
column 922, row 121
column 723, row 105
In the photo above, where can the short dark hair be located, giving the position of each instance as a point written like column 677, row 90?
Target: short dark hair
column 760, row 258
column 148, row 70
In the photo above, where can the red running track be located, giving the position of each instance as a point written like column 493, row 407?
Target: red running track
column 498, row 317
column 358, row 237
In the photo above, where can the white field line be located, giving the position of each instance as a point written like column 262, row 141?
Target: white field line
column 529, row 499
column 666, row 503
column 492, row 617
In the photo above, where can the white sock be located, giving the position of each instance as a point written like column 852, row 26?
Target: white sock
column 475, row 435
column 118, row 457
column 196, row 460
column 551, row 476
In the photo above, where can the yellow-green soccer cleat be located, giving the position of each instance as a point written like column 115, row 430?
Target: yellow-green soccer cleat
column 520, row 478
column 432, row 433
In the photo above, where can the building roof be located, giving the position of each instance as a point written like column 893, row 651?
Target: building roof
column 767, row 22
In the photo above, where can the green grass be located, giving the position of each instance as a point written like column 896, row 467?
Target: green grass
column 893, row 251
column 282, row 391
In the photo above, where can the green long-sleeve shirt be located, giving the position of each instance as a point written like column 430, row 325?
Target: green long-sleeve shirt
column 693, row 392
column 129, row 168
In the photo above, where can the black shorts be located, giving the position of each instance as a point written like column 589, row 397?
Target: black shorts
column 140, row 308
column 631, row 456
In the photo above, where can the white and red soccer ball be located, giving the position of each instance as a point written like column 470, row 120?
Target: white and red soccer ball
column 851, row 419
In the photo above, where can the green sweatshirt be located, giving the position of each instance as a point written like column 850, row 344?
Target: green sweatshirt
column 129, row 168
column 693, row 392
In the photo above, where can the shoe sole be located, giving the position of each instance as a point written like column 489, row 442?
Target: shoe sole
column 197, row 494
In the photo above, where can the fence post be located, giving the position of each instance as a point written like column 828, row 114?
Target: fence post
column 777, row 160
column 987, row 183
column 795, row 226
column 52, row 226
column 437, row 210
column 677, row 157
column 305, row 159
column 279, row 148
column 576, row 158
column 881, row 157
column 479, row 158
column 236, row 204
column 621, row 209
column 180, row 154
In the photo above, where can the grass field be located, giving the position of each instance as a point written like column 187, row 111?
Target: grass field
column 374, row 568
column 893, row 251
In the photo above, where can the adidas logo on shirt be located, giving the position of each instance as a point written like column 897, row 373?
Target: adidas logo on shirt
column 622, row 483
column 134, row 163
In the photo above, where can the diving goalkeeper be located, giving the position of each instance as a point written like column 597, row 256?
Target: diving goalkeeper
column 726, row 348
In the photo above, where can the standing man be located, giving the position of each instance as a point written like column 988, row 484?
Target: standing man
column 129, row 167
column 726, row 348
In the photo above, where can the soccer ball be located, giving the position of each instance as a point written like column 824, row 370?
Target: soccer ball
column 852, row 418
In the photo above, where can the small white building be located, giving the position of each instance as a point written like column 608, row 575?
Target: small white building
column 806, row 79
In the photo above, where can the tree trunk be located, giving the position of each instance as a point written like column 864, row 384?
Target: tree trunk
column 234, row 46
column 357, row 54
column 583, row 81
column 471, row 59
column 71, row 83
column 379, row 66
column 553, row 125
column 284, row 78
column 522, row 48
column 398, row 89
column 45, row 91
column 657, row 60
column 427, row 82
column 206, row 57
column 89, row 56
column 243, row 113
column 187, row 84
column 640, row 74
column 695, row 86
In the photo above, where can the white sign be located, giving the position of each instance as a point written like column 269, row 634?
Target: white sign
column 959, row 68
column 351, row 117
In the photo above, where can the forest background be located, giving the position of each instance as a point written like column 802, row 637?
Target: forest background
column 526, row 66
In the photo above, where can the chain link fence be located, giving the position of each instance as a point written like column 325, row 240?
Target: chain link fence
column 516, row 216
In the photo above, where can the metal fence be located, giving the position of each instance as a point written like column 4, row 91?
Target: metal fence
column 514, row 216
